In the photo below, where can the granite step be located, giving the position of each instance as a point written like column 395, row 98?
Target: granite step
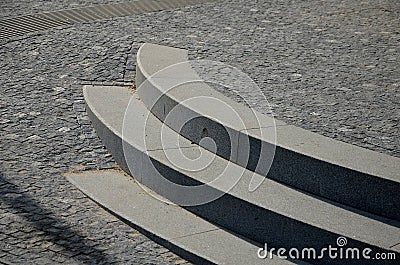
column 181, row 231
column 217, row 190
column 174, row 92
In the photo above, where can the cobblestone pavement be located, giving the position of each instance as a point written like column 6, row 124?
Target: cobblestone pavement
column 44, row 133
column 328, row 66
column 16, row 8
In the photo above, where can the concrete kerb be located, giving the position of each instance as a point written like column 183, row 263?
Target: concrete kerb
column 341, row 172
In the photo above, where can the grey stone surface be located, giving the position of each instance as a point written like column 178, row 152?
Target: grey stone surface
column 22, row 25
column 184, row 231
column 128, row 117
column 318, row 164
column 44, row 132
column 339, row 94
column 194, row 109
column 16, row 8
column 273, row 213
column 344, row 173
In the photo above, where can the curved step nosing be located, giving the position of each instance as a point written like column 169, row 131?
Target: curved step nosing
column 237, row 133
column 111, row 137
column 109, row 188
column 313, row 168
column 332, row 142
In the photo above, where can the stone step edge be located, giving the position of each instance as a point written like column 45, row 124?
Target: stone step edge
column 320, row 165
column 175, row 228
column 106, row 107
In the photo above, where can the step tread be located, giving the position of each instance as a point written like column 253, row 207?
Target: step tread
column 124, row 197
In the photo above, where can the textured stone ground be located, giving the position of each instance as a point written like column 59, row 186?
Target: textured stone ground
column 44, row 133
column 16, row 8
column 328, row 66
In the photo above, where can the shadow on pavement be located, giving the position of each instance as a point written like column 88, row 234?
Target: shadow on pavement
column 55, row 230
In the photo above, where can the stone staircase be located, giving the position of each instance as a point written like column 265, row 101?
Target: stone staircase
column 215, row 180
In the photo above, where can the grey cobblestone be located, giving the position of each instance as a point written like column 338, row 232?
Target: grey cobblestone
column 313, row 78
column 11, row 9
column 44, row 133
column 331, row 67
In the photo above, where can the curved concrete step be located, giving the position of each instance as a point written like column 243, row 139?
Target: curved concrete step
column 170, row 225
column 341, row 172
column 274, row 213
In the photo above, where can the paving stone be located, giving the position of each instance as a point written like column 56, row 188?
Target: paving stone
column 343, row 66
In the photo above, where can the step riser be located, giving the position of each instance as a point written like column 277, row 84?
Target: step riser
column 229, row 212
column 358, row 190
column 326, row 179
